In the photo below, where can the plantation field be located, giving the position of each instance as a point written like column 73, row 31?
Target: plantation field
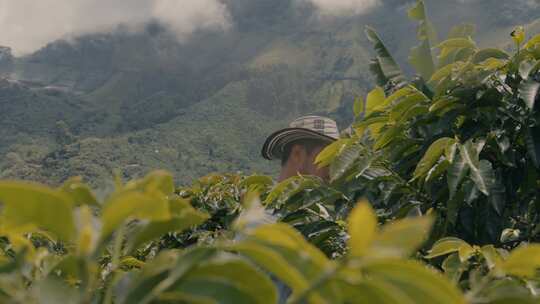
column 433, row 196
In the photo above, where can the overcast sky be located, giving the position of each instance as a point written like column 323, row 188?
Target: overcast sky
column 27, row 25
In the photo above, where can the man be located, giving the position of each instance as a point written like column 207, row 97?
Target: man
column 299, row 145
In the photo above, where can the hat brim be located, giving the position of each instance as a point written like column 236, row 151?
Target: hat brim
column 274, row 145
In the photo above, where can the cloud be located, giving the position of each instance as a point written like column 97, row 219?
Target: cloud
column 27, row 25
column 344, row 7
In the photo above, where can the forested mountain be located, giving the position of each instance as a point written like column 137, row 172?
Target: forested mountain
column 133, row 101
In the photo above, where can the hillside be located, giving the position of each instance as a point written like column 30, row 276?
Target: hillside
column 136, row 101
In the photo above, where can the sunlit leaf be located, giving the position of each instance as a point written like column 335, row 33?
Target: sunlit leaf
column 375, row 291
column 374, row 99
column 28, row 207
column 185, row 219
column 454, row 43
column 432, row 155
column 362, row 228
column 523, row 261
column 228, row 280
column 418, row 282
column 80, row 193
column 532, row 42
column 133, row 205
column 518, row 35
column 492, row 256
column 402, row 237
column 330, row 152
column 449, row 245
column 358, row 106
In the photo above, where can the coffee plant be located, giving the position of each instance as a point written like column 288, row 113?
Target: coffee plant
column 433, row 198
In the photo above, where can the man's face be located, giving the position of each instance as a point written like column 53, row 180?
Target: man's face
column 308, row 166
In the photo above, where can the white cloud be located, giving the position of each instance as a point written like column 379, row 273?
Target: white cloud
column 345, row 7
column 26, row 25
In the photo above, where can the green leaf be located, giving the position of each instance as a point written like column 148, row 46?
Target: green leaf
column 454, row 43
column 491, row 256
column 79, row 192
column 402, row 237
column 330, row 152
column 228, row 280
column 273, row 262
column 518, row 35
column 523, row 261
column 418, row 12
column 453, row 267
column 432, row 155
column 374, row 291
column 405, row 103
column 29, row 207
column 283, row 191
column 375, row 98
column 387, row 137
column 358, row 106
column 385, row 63
column 133, row 205
column 257, row 182
column 283, row 251
column 362, row 228
column 345, row 161
column 253, row 213
column 159, row 180
column 485, row 54
column 421, row 59
column 528, row 90
column 456, row 173
column 163, row 272
column 185, row 217
column 416, row 281
column 532, row 42
column 481, row 171
column 449, row 245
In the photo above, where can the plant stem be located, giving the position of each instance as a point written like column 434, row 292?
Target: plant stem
column 115, row 261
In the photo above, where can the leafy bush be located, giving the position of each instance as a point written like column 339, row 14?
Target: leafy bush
column 449, row 162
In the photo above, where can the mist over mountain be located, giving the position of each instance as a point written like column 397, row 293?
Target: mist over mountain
column 194, row 88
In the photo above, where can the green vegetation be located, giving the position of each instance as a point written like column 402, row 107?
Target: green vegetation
column 433, row 198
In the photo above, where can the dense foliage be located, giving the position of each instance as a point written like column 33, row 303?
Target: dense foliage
column 433, row 198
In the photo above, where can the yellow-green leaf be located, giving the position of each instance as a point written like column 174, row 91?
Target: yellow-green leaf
column 79, row 192
column 402, row 237
column 415, row 280
column 28, row 207
column 532, row 42
column 328, row 154
column 456, row 43
column 523, row 261
column 375, row 98
column 133, row 205
column 446, row 246
column 518, row 35
column 362, row 228
column 431, row 156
